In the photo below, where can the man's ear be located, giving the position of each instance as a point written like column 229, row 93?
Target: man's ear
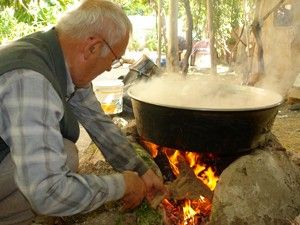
column 91, row 47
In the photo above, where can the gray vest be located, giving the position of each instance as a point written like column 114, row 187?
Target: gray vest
column 42, row 53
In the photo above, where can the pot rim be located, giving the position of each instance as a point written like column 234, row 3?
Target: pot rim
column 277, row 96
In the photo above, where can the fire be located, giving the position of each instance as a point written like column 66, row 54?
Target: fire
column 203, row 172
column 210, row 179
column 173, row 159
column 188, row 212
column 191, row 210
column 153, row 148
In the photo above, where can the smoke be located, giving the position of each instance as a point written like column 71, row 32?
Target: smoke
column 202, row 92
column 280, row 84
column 281, row 49
column 281, row 69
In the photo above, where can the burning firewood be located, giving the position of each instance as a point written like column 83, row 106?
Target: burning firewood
column 186, row 186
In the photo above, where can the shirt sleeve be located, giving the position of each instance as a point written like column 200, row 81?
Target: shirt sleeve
column 115, row 147
column 30, row 113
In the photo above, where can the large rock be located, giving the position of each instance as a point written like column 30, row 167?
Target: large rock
column 262, row 188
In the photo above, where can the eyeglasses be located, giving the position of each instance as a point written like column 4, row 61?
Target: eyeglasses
column 118, row 61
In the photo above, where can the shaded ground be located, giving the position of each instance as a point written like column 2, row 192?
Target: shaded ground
column 286, row 128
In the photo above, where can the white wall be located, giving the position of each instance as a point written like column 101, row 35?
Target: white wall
column 143, row 25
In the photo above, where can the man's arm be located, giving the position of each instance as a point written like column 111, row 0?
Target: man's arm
column 106, row 135
column 30, row 112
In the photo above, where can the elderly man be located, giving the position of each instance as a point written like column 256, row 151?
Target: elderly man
column 45, row 90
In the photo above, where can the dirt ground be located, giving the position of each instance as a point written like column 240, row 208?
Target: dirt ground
column 286, row 128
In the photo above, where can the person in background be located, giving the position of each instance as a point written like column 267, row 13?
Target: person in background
column 45, row 90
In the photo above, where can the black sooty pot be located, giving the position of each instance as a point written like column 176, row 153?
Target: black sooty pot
column 224, row 131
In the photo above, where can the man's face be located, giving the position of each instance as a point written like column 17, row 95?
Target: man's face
column 92, row 62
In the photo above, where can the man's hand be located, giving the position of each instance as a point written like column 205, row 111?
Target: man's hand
column 154, row 185
column 135, row 190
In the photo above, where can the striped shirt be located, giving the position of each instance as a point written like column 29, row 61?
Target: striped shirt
column 30, row 112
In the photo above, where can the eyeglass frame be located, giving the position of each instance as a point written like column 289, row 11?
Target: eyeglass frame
column 117, row 59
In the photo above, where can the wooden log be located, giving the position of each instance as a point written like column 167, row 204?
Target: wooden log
column 163, row 163
column 186, row 186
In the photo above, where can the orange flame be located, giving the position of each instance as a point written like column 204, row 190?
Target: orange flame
column 189, row 213
column 153, row 148
column 202, row 171
column 190, row 208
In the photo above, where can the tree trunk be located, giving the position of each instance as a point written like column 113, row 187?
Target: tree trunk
column 189, row 38
column 213, row 58
column 256, row 29
column 172, row 56
column 159, row 32
column 247, row 51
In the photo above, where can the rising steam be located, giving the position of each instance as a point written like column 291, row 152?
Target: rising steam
column 202, row 93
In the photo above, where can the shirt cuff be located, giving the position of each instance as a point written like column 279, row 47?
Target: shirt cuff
column 141, row 168
column 115, row 186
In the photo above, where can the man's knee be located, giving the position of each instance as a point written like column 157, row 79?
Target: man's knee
column 14, row 207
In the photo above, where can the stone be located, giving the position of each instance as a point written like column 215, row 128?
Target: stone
column 261, row 188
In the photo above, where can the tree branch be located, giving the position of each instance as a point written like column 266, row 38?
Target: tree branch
column 273, row 9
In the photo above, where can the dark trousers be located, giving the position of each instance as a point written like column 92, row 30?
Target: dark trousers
column 14, row 208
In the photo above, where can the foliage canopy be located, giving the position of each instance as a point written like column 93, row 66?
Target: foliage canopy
column 20, row 17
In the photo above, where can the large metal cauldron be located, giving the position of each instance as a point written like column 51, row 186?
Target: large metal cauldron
column 224, row 131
